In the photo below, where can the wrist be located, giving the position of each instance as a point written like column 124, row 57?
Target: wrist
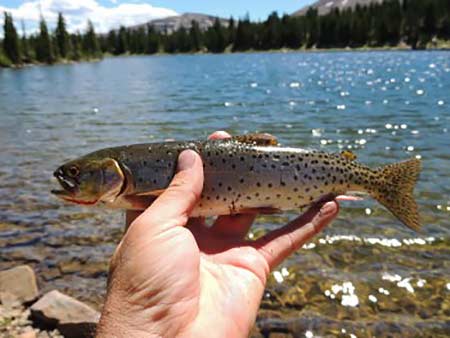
column 115, row 322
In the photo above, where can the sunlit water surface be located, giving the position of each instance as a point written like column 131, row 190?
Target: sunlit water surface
column 365, row 275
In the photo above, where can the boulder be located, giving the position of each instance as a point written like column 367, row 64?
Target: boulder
column 19, row 282
column 30, row 333
column 70, row 316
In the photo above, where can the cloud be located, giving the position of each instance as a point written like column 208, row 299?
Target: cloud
column 78, row 12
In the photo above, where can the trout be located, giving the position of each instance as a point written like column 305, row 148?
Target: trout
column 243, row 174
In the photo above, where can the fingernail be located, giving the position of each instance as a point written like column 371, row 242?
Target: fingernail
column 186, row 160
column 327, row 209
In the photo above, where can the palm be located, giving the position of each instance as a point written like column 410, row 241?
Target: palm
column 225, row 277
column 232, row 277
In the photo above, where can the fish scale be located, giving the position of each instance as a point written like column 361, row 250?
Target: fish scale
column 243, row 174
column 266, row 177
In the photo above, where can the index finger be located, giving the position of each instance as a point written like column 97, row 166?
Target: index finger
column 277, row 245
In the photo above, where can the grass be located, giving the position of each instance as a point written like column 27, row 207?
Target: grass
column 4, row 61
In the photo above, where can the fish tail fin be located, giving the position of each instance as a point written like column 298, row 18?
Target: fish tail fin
column 394, row 190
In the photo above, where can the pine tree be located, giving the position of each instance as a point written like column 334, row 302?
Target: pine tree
column 62, row 37
column 91, row 46
column 44, row 47
column 312, row 22
column 218, row 33
column 76, row 50
column 122, row 41
column 243, row 40
column 111, row 42
column 231, row 31
column 195, row 36
column 272, row 32
column 11, row 40
column 25, row 46
column 152, row 45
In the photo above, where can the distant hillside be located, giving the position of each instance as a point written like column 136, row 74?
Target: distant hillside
column 325, row 6
column 173, row 23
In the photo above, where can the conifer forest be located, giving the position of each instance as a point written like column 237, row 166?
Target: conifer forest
column 412, row 23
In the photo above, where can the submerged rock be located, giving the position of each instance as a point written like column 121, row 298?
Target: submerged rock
column 19, row 282
column 71, row 317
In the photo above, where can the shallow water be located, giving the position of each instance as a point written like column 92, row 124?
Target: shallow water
column 365, row 275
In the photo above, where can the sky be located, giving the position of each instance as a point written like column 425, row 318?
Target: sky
column 107, row 14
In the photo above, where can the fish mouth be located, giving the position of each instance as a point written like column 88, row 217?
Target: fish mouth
column 69, row 185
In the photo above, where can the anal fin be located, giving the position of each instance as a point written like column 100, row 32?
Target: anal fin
column 261, row 210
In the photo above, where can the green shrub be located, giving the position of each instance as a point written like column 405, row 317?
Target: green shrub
column 4, row 61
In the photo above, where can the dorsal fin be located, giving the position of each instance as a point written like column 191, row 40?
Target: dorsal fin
column 348, row 155
column 261, row 139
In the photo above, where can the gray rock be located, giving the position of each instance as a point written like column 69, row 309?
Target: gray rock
column 326, row 6
column 71, row 317
column 20, row 282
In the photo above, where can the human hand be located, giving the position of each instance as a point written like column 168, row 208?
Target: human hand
column 173, row 276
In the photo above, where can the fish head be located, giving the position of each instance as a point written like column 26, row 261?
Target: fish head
column 87, row 181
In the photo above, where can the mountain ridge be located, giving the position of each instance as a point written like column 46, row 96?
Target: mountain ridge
column 326, row 6
column 173, row 23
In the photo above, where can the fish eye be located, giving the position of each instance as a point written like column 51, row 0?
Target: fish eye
column 73, row 171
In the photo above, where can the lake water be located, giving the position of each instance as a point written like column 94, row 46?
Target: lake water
column 365, row 275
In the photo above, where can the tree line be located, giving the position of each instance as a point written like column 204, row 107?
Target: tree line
column 411, row 22
column 47, row 47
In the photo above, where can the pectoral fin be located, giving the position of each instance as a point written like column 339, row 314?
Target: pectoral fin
column 151, row 193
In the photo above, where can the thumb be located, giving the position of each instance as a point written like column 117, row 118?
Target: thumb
column 174, row 205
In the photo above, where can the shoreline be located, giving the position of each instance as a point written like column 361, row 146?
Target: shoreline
column 438, row 47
